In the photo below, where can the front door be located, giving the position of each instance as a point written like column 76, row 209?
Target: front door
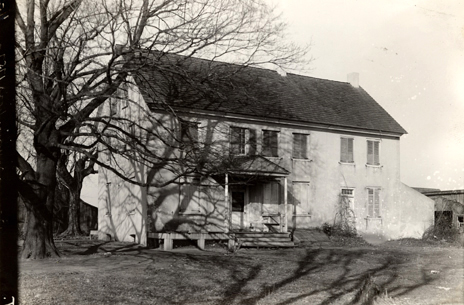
column 238, row 210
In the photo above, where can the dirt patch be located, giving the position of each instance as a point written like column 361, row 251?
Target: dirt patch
column 92, row 272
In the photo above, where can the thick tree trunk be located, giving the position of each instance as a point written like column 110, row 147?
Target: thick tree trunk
column 74, row 224
column 38, row 242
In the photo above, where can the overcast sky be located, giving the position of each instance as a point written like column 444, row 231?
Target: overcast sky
column 410, row 57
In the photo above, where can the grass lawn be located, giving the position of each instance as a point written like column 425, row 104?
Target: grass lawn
column 96, row 272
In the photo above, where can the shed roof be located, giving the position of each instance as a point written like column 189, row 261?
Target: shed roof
column 198, row 84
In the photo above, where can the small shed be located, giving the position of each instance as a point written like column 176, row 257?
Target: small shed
column 449, row 206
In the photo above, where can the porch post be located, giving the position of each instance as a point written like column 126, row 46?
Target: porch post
column 285, row 226
column 226, row 199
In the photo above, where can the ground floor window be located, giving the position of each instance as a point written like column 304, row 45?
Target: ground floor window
column 460, row 221
column 373, row 202
column 238, row 201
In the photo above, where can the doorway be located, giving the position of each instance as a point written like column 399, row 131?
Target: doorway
column 238, row 209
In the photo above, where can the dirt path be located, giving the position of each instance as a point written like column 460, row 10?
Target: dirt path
column 118, row 273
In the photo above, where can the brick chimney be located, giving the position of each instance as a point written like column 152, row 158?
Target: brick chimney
column 353, row 79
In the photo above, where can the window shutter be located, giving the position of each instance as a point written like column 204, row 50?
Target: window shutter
column 270, row 143
column 350, row 157
column 300, row 142
column 343, row 150
column 251, row 142
column 370, row 203
column 370, row 152
column 376, row 153
column 376, row 203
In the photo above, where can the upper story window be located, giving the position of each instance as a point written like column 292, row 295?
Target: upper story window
column 270, row 143
column 242, row 141
column 346, row 150
column 373, row 152
column 119, row 101
column 188, row 132
column 373, row 202
column 300, row 146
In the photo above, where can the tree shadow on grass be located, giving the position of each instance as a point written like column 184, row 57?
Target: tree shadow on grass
column 353, row 283
column 319, row 276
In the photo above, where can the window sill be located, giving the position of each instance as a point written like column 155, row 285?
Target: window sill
column 347, row 163
column 297, row 159
column 374, row 165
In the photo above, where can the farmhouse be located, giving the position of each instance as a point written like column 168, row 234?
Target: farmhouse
column 254, row 152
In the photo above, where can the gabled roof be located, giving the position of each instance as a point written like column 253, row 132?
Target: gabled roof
column 202, row 85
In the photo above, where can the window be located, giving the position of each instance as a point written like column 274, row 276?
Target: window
column 237, row 141
column 346, row 150
column 348, row 192
column 300, row 146
column 373, row 202
column 188, row 132
column 373, row 148
column 238, row 201
column 270, row 143
column 460, row 221
column 242, row 141
column 347, row 195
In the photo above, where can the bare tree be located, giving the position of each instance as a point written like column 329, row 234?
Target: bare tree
column 73, row 56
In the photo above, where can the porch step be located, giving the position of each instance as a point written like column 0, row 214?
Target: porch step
column 264, row 240
column 264, row 244
column 260, row 234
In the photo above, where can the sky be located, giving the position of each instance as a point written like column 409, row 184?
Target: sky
column 410, row 58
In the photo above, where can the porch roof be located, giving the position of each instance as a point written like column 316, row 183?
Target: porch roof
column 257, row 165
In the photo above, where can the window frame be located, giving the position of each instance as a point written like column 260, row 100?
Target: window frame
column 346, row 153
column 270, row 149
column 241, row 141
column 303, row 152
column 371, row 161
column 247, row 145
column 186, row 137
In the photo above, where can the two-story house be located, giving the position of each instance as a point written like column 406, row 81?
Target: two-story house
column 273, row 153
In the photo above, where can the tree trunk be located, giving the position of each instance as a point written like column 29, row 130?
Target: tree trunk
column 38, row 242
column 74, row 224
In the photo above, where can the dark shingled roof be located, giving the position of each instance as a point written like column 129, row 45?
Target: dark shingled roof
column 198, row 84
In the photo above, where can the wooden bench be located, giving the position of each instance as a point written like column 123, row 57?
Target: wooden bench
column 168, row 238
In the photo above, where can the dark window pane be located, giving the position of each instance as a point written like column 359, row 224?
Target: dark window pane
column 238, row 201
